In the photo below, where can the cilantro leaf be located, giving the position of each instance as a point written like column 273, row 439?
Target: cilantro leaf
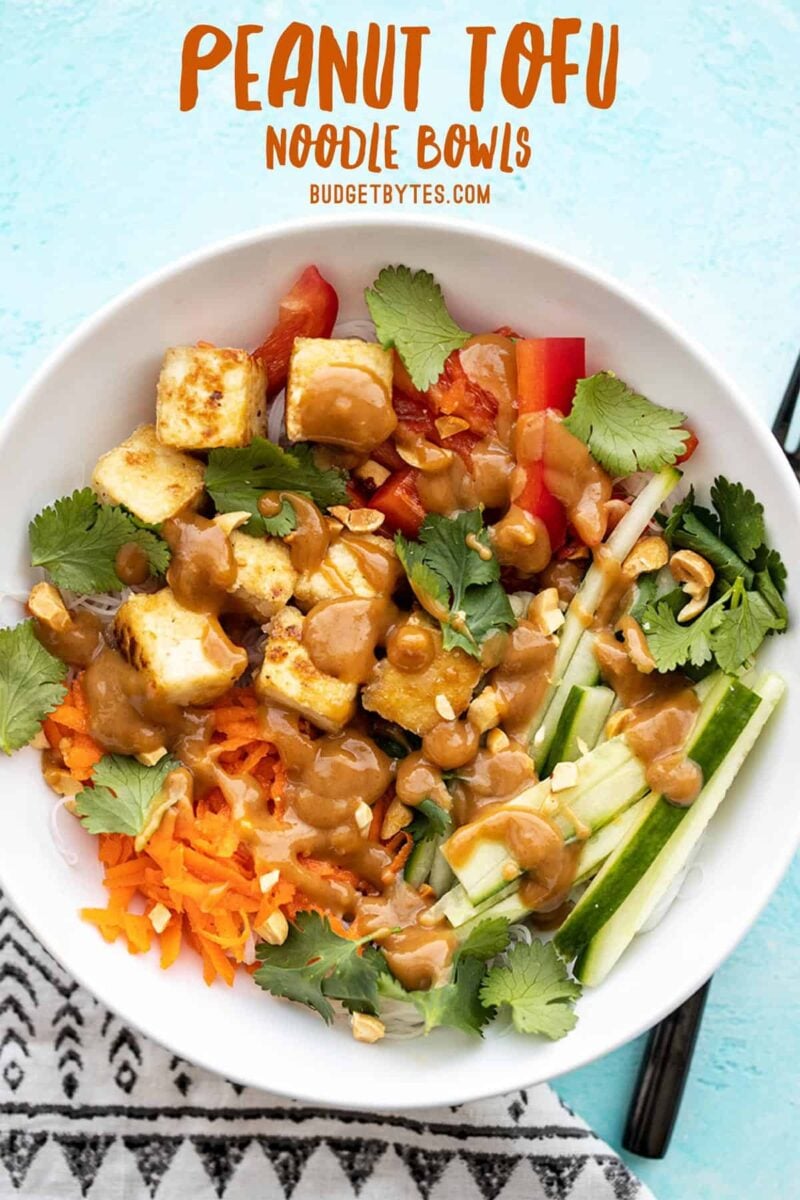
column 409, row 313
column 456, row 1004
column 770, row 561
column 314, row 963
column 237, row 478
column 676, row 515
column 430, row 820
column 624, row 431
column 743, row 628
column 672, row 644
column 741, row 517
column 126, row 796
column 695, row 535
column 31, row 685
column 486, row 609
column 284, row 521
column 535, row 984
column 454, row 582
column 76, row 540
column 488, row 939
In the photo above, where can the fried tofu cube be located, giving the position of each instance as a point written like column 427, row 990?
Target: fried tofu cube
column 265, row 577
column 186, row 656
column 340, row 393
column 362, row 565
column 155, row 482
column 416, row 700
column 210, row 396
column 288, row 677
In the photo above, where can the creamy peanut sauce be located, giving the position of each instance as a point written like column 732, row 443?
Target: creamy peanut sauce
column 352, row 408
column 570, row 472
column 533, row 843
column 341, row 635
column 78, row 643
column 523, row 675
column 661, row 711
column 132, row 564
column 411, row 648
column 308, row 542
column 324, row 817
column 521, row 540
column 202, row 568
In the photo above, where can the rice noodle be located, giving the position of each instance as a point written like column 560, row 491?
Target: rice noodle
column 70, row 858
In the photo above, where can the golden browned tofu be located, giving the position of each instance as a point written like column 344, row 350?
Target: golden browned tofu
column 155, row 482
column 361, row 564
column 340, row 392
column 265, row 577
column 289, row 677
column 210, row 396
column 417, row 700
column 185, row 655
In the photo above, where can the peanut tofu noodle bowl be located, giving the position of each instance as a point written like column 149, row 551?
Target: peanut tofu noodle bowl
column 392, row 663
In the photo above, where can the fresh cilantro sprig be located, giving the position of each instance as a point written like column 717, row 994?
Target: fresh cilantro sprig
column 535, row 983
column 730, row 630
column 76, row 540
column 283, row 522
column 429, row 821
column 751, row 579
column 410, row 314
column 237, row 478
column 624, row 431
column 454, row 582
column 314, row 966
column 457, row 1004
column 31, row 685
column 126, row 796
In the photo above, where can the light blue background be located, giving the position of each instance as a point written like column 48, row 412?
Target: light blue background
column 686, row 189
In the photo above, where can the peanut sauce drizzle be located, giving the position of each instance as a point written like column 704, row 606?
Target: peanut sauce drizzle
column 333, row 780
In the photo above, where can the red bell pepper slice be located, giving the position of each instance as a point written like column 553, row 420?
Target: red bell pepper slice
column 309, row 309
column 548, row 370
column 689, row 447
column 399, row 501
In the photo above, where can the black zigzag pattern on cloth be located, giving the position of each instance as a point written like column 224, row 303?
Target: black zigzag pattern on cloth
column 90, row 1108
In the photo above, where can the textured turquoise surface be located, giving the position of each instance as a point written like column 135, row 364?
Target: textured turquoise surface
column 687, row 190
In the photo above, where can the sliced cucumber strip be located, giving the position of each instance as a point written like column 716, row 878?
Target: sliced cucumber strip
column 610, row 778
column 457, row 908
column 511, row 908
column 596, row 850
column 419, row 862
column 580, row 725
column 638, row 873
column 585, row 603
column 582, row 671
column 441, row 877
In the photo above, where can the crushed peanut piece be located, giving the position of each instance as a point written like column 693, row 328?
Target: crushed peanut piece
column 565, row 775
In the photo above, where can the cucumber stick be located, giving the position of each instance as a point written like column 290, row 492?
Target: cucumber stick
column 584, row 605
column 581, row 723
column 419, row 862
column 656, row 849
column 610, row 778
column 582, row 671
column 601, row 844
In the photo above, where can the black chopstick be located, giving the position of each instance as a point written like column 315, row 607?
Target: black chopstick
column 668, row 1057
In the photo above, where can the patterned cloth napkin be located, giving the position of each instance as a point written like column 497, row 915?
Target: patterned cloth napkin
column 88, row 1107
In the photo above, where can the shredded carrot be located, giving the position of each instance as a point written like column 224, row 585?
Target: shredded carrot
column 400, row 847
column 67, row 731
column 196, row 865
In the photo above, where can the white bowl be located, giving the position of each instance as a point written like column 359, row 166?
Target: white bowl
column 101, row 383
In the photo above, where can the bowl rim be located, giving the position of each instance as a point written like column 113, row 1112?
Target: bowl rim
column 17, row 411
